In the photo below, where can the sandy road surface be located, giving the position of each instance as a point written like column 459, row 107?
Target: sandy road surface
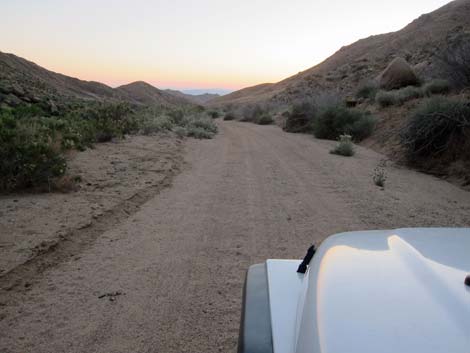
column 178, row 263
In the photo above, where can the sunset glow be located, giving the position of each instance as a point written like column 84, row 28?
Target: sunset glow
column 186, row 44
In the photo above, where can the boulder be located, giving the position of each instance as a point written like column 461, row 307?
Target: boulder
column 398, row 74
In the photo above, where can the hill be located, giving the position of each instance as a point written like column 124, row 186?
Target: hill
column 419, row 43
column 195, row 98
column 146, row 94
column 24, row 81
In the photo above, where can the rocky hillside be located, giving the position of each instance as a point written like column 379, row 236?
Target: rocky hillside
column 24, row 81
column 421, row 43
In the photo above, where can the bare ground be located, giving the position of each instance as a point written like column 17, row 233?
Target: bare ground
column 168, row 276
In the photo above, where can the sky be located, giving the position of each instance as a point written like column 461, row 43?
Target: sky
column 184, row 44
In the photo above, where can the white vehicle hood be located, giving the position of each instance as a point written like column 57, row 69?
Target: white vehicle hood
column 387, row 292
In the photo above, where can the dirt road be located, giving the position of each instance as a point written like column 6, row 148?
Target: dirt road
column 169, row 277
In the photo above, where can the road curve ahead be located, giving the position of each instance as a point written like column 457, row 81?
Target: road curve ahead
column 169, row 278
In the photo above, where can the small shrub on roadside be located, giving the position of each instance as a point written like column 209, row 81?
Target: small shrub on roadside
column 379, row 176
column 301, row 117
column 345, row 146
column 252, row 113
column 436, row 87
column 202, row 123
column 199, row 133
column 438, row 126
column 180, row 131
column 264, row 119
column 336, row 120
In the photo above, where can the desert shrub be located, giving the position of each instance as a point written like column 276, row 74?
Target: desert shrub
column 386, row 98
column 112, row 120
column 214, row 114
column 345, row 146
column 252, row 113
column 180, row 131
column 398, row 96
column 201, row 123
column 379, row 176
column 229, row 116
column 408, row 93
column 199, row 133
column 156, row 124
column 367, row 90
column 439, row 125
column 436, row 87
column 264, row 119
column 176, row 115
column 336, row 120
column 30, row 153
column 301, row 117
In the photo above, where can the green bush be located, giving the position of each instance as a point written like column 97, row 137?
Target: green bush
column 264, row 119
column 345, row 147
column 180, row 131
column 438, row 126
column 336, row 120
column 199, row 133
column 301, row 117
column 32, row 144
column 155, row 124
column 436, row 87
column 30, row 153
column 386, row 99
column 398, row 96
column 201, row 123
column 214, row 114
column 408, row 93
column 252, row 113
column 367, row 90
column 112, row 120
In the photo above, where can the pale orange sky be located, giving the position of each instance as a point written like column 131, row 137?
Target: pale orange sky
column 187, row 44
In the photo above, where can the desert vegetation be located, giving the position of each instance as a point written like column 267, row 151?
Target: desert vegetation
column 345, row 146
column 34, row 142
column 438, row 128
column 335, row 120
column 367, row 90
column 328, row 117
column 379, row 176
column 400, row 96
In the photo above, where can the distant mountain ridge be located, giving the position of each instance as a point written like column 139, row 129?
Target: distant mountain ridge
column 24, row 81
column 363, row 60
column 195, row 98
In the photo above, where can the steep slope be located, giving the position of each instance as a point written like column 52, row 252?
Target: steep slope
column 38, row 82
column 419, row 43
column 195, row 98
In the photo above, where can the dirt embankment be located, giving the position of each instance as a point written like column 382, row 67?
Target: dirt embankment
column 169, row 277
